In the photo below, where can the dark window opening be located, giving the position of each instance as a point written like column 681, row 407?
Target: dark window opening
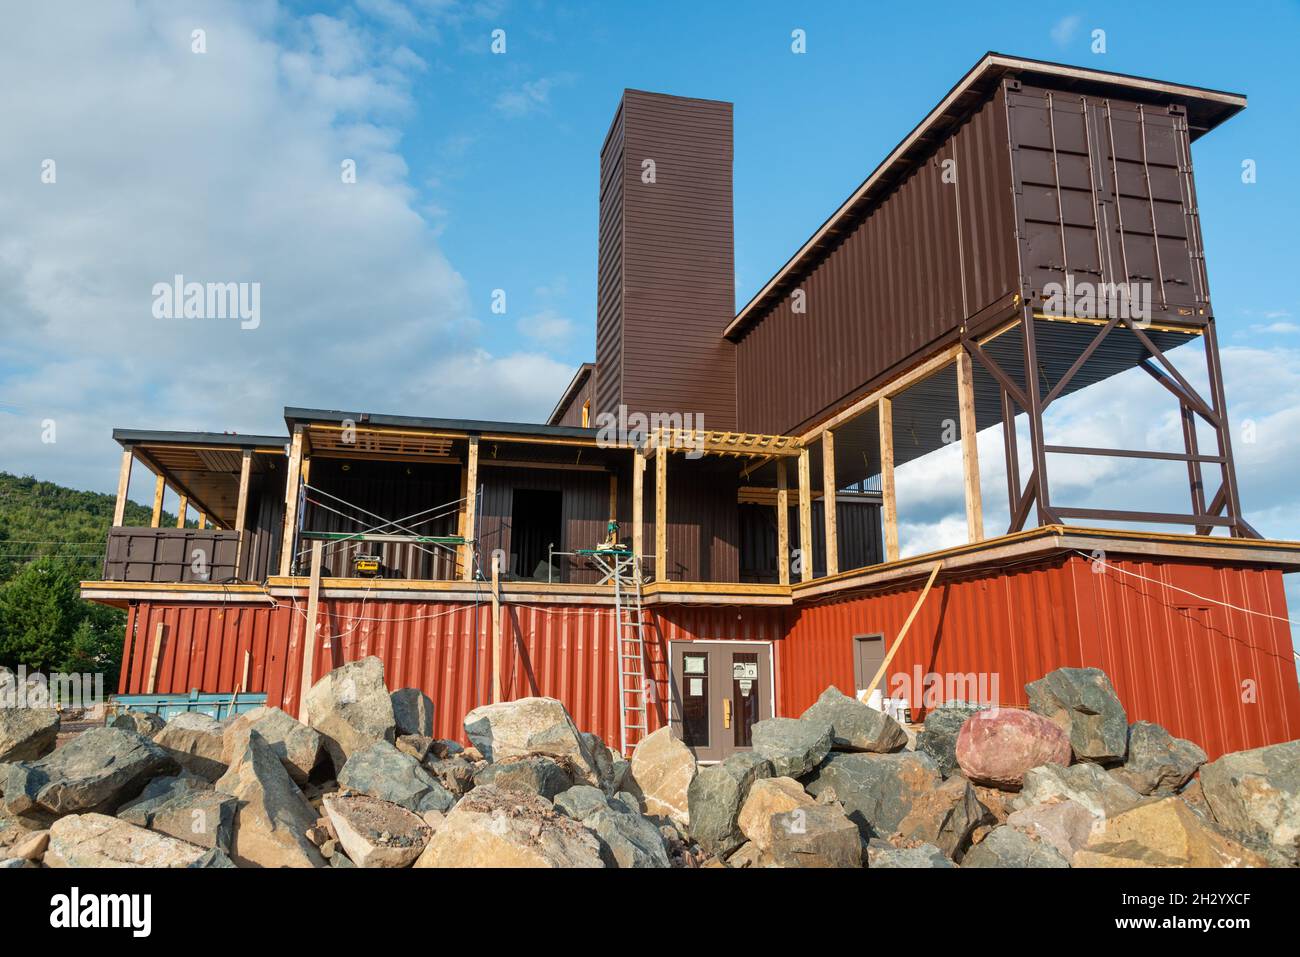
column 535, row 526
column 695, row 701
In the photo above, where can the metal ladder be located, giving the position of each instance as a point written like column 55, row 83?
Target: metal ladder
column 628, row 626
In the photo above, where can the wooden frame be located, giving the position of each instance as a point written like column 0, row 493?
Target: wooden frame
column 638, row 505
column 782, row 523
column 309, row 629
column 288, row 540
column 241, row 508
column 182, row 510
column 805, row 517
column 123, row 485
column 828, row 503
column 159, row 489
column 889, row 500
column 661, row 516
column 969, row 449
column 469, row 509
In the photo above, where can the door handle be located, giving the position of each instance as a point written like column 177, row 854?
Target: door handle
column 726, row 712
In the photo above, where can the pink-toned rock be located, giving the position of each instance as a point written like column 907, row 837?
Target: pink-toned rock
column 997, row 747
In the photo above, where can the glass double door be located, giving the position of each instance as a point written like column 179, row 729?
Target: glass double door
column 721, row 689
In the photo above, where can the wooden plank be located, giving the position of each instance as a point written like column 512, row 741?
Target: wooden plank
column 661, row 517
column 828, row 503
column 290, row 531
column 613, row 498
column 241, row 509
column 782, row 523
column 638, row 505
column 159, row 488
column 181, row 510
column 467, row 510
column 496, row 627
column 805, row 517
column 970, row 449
column 888, row 499
column 159, row 632
column 902, row 632
column 309, row 630
column 203, row 520
column 123, row 486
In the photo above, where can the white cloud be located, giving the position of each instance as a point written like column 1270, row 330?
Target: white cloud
column 1064, row 30
column 546, row 326
column 531, row 96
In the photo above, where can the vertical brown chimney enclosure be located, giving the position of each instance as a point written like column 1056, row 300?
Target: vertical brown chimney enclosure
column 666, row 273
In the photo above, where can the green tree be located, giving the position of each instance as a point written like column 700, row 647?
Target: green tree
column 40, row 609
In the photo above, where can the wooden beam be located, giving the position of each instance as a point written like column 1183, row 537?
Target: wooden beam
column 159, row 488
column 309, row 629
column 291, row 480
column 468, row 507
column 887, row 497
column 902, row 633
column 782, row 523
column 661, row 516
column 496, row 627
column 613, row 498
column 123, row 486
column 159, row 632
column 241, row 509
column 638, row 505
column 828, row 503
column 182, row 510
column 970, row 458
column 203, row 520
column 805, row 517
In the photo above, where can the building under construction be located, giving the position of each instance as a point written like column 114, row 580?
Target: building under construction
column 747, row 460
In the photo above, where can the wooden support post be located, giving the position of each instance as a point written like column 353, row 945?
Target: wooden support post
column 181, row 511
column 970, row 458
column 159, row 632
column 613, row 498
column 828, row 503
column 902, row 633
column 159, row 488
column 241, row 509
column 123, row 485
column 661, row 514
column 805, row 517
column 289, row 535
column 496, row 627
column 468, row 510
column 782, row 522
column 242, row 686
column 203, row 520
column 638, row 505
column 309, row 629
column 889, row 501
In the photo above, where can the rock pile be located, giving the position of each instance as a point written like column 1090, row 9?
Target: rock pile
column 363, row 783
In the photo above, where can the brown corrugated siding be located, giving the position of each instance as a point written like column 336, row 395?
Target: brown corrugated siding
column 903, row 279
column 572, row 414
column 609, row 274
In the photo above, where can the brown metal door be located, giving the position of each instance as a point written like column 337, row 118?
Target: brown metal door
column 721, row 689
column 868, row 654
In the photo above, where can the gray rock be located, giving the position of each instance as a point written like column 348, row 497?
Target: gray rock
column 716, row 796
column 202, row 816
column 417, row 746
column 1007, row 847
column 632, row 840
column 168, row 786
column 533, row 775
column 376, row 833
column 854, row 726
column 1157, row 763
column 383, row 772
column 196, row 742
column 95, row 771
column 1064, row 825
column 882, row 854
column 273, row 817
column 877, row 790
column 528, row 726
column 1082, row 702
column 793, row 745
column 144, row 723
column 1257, row 794
column 938, row 738
column 297, row 746
column 819, row 835
column 27, row 734
column 602, row 759
column 945, row 817
column 454, row 773
column 351, row 709
column 413, row 711
column 97, row 840
column 1085, row 784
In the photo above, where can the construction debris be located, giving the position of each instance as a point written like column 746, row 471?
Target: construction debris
column 985, row 788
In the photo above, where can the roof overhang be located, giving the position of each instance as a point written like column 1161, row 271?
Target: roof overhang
column 576, row 383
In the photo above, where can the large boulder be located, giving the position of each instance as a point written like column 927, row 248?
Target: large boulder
column 997, row 747
column 375, row 833
column 945, row 817
column 938, row 738
column 1163, row 832
column 631, row 840
column 794, row 745
column 95, row 771
column 196, row 741
column 200, row 816
column 1083, row 704
column 1157, row 762
column 882, row 854
column 854, row 726
column 412, row 711
column 1008, row 847
column 528, row 726
column 534, row 775
column 27, row 734
column 602, row 760
column 296, row 745
column 1065, row 825
column 97, row 840
column 494, row 828
column 1085, row 784
column 144, row 723
column 1257, row 794
column 273, row 816
column 351, row 709
column 716, row 797
column 663, row 769
column 767, row 797
column 876, row 790
column 383, row 772
column 820, row 835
